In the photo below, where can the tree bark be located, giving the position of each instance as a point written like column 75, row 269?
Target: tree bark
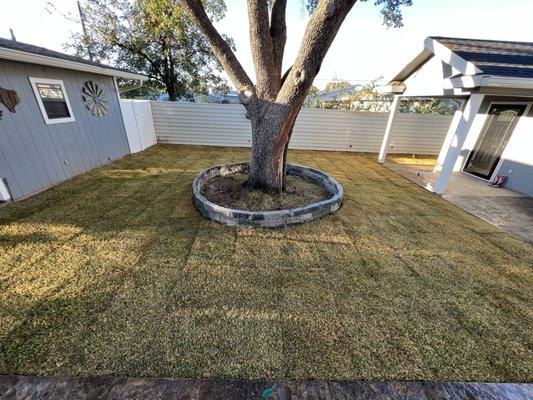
column 274, row 102
column 278, row 32
column 272, row 126
column 221, row 49
column 267, row 82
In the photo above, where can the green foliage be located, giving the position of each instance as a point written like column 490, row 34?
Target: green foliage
column 390, row 10
column 427, row 106
column 155, row 38
column 337, row 85
column 367, row 98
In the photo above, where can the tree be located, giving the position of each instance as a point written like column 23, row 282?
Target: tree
column 367, row 98
column 274, row 101
column 312, row 100
column 337, row 85
column 155, row 38
column 428, row 106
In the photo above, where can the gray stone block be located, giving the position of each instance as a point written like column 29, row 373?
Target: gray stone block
column 267, row 219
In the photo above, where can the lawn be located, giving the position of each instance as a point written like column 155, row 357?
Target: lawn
column 115, row 273
column 420, row 160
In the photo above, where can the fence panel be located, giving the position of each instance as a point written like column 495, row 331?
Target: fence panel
column 315, row 129
column 139, row 124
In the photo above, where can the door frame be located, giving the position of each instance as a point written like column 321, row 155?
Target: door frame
column 485, row 119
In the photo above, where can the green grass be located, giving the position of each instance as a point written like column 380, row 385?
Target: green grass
column 115, row 273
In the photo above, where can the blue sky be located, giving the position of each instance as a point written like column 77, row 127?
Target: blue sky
column 364, row 49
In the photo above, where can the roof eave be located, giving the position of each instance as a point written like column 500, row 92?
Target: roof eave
column 419, row 60
column 432, row 47
column 469, row 82
column 22, row 56
column 391, row 88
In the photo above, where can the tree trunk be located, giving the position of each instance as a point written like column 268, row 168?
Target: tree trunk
column 271, row 130
column 172, row 89
column 274, row 102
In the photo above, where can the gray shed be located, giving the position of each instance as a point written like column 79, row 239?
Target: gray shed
column 60, row 116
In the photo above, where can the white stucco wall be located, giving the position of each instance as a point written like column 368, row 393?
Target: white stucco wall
column 517, row 158
column 429, row 79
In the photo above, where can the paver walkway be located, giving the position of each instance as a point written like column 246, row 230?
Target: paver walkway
column 510, row 211
column 38, row 388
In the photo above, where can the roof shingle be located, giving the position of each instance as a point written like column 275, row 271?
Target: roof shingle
column 42, row 51
column 494, row 57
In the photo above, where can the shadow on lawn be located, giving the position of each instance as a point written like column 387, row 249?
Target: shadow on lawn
column 114, row 272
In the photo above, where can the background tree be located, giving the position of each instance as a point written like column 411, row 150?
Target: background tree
column 274, row 101
column 429, row 106
column 155, row 38
column 367, row 98
column 337, row 85
column 312, row 100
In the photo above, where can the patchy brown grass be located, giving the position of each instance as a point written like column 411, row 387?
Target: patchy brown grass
column 231, row 191
column 413, row 159
column 115, row 273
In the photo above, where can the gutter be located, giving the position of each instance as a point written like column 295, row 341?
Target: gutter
column 135, row 85
column 392, row 88
column 31, row 58
column 469, row 82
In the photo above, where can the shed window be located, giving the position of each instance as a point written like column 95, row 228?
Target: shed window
column 53, row 100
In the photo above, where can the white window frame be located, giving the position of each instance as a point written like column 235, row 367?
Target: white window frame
column 48, row 121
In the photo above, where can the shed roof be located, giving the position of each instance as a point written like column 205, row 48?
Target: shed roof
column 494, row 57
column 24, row 52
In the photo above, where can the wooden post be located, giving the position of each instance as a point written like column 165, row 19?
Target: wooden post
column 394, row 111
column 456, row 144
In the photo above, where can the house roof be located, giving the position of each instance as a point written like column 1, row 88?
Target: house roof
column 24, row 52
column 474, row 63
column 338, row 94
column 494, row 57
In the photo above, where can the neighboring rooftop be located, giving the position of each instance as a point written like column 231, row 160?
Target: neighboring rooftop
column 24, row 52
column 338, row 94
column 494, row 57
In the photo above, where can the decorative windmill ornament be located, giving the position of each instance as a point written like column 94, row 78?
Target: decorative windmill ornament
column 95, row 99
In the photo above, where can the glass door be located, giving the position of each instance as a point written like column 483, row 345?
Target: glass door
column 494, row 136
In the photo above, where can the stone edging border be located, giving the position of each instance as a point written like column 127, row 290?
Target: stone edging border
column 267, row 219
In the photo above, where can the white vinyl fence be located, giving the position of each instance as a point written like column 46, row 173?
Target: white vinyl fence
column 315, row 129
column 137, row 115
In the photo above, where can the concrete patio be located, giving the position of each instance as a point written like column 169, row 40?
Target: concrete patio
column 508, row 210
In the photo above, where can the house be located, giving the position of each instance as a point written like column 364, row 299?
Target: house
column 491, row 134
column 60, row 116
column 338, row 94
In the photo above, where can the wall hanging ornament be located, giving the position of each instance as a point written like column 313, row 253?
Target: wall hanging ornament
column 10, row 98
column 95, row 99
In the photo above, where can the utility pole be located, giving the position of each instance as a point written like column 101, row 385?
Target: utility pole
column 13, row 38
column 86, row 37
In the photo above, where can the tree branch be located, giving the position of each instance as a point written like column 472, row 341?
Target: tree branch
column 138, row 51
column 261, row 46
column 278, row 32
column 319, row 34
column 220, row 48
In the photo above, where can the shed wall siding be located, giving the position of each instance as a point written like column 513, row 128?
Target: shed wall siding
column 33, row 155
column 226, row 125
